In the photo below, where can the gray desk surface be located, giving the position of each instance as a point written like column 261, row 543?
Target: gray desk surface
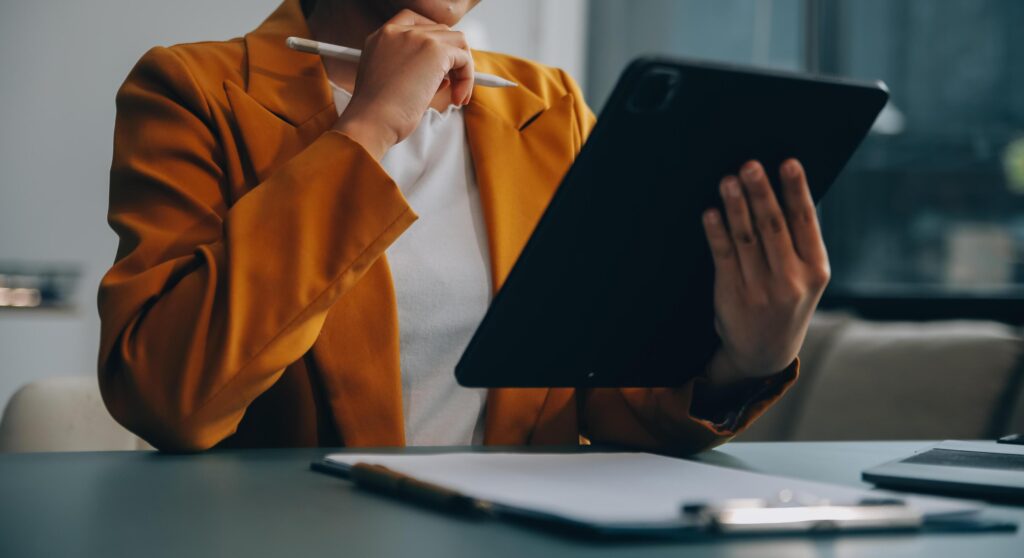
column 267, row 503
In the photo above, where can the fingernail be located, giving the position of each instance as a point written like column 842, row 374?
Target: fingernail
column 751, row 170
column 790, row 169
column 730, row 187
column 711, row 217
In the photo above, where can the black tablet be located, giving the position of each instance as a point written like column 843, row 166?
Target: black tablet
column 614, row 287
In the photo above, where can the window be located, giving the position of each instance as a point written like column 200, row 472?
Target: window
column 932, row 205
column 934, row 200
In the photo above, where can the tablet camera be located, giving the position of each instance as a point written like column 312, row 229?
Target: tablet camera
column 654, row 91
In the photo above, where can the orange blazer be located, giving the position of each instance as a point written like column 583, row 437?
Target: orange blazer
column 251, row 303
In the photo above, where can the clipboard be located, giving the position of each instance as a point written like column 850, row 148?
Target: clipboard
column 695, row 521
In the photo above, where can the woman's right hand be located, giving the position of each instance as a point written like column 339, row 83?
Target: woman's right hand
column 404, row 64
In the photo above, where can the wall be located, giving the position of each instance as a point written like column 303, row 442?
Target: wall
column 551, row 31
column 62, row 61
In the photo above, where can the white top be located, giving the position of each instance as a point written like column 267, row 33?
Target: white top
column 442, row 277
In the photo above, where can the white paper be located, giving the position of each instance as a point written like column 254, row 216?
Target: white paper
column 614, row 488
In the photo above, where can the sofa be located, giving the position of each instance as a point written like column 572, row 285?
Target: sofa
column 863, row 380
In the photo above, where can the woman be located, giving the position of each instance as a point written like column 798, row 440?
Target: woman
column 272, row 289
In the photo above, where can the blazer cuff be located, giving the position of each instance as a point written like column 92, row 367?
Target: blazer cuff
column 729, row 413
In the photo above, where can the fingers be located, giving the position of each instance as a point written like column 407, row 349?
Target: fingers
column 802, row 216
column 462, row 69
column 455, row 48
column 427, row 27
column 727, row 266
column 768, row 218
column 460, row 59
column 409, row 17
column 751, row 257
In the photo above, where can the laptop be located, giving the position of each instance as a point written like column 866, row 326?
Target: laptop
column 987, row 470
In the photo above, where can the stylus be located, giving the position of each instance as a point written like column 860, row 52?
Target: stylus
column 352, row 55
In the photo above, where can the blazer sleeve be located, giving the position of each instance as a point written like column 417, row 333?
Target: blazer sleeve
column 206, row 304
column 669, row 420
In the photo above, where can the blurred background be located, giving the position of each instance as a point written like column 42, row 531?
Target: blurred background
column 925, row 226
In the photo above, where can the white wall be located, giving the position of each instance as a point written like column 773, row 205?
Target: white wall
column 61, row 62
column 551, row 31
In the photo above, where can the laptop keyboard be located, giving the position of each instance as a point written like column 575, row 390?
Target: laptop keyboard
column 956, row 458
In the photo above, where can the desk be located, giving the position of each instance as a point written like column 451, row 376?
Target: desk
column 267, row 503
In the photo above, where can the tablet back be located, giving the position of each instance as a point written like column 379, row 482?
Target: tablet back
column 614, row 287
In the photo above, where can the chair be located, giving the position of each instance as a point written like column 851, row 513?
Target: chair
column 62, row 414
column 901, row 380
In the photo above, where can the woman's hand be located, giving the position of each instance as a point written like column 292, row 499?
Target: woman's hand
column 404, row 64
column 770, row 270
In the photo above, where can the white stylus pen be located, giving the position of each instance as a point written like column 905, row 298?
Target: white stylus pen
column 352, row 55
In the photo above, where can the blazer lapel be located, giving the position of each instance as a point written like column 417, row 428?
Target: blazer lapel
column 521, row 148
column 291, row 84
column 286, row 105
column 268, row 140
column 287, row 101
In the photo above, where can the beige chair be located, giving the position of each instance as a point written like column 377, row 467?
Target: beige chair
column 902, row 380
column 62, row 414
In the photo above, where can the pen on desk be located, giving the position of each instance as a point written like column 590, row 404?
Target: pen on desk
column 386, row 481
column 352, row 55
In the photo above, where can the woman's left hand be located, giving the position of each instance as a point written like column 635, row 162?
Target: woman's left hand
column 770, row 271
